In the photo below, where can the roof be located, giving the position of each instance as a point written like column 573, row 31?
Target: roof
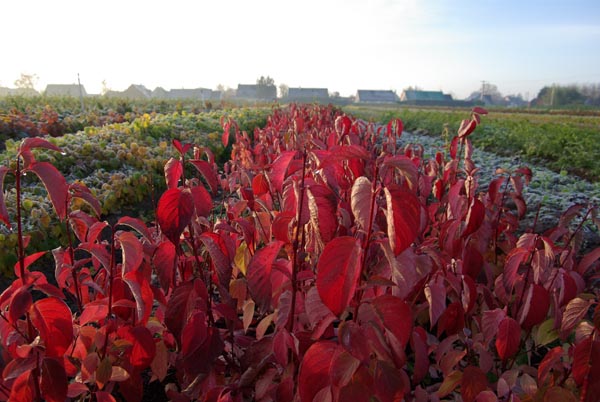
column 249, row 91
column 417, row 95
column 65, row 90
column 308, row 93
column 376, row 96
column 197, row 93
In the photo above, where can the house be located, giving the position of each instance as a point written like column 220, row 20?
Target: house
column 430, row 98
column 415, row 95
column 376, row 96
column 160, row 93
column 4, row 91
column 256, row 92
column 197, row 93
column 72, row 90
column 133, row 92
column 514, row 101
column 307, row 94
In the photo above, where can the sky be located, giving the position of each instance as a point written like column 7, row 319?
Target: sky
column 449, row 45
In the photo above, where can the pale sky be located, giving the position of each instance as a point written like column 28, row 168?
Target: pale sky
column 449, row 45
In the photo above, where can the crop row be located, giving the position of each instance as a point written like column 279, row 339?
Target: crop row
column 564, row 143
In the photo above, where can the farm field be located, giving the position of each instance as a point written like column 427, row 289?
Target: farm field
column 564, row 141
column 283, row 253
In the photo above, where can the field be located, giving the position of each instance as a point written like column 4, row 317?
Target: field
column 290, row 253
column 564, row 141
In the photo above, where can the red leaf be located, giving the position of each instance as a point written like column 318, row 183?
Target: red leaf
column 573, row 314
column 535, row 306
column 23, row 389
column 79, row 190
column 581, row 360
column 136, row 224
column 394, row 128
column 347, row 152
column 55, row 184
column 182, row 303
column 164, row 259
column 131, row 250
column 279, row 169
column 173, row 171
column 103, row 396
column 473, row 382
column 585, row 263
column 389, row 382
column 260, row 184
column 54, row 381
column 174, row 212
column 396, row 316
column 360, row 201
column 338, row 271
column 3, row 211
column 404, row 166
column 511, row 266
column 93, row 312
column 182, row 148
column 225, row 136
column 259, row 274
column 142, row 293
column 143, row 349
column 452, row 320
column 37, row 142
column 475, row 217
column 466, row 128
column 219, row 254
column 435, row 292
column 322, row 207
column 53, row 320
column 403, row 218
column 30, row 259
column 202, row 201
column 19, row 304
column 508, row 338
column 420, row 347
column 479, row 110
column 551, row 358
column 208, row 173
column 313, row 376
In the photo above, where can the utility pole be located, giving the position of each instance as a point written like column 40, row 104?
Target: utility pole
column 80, row 94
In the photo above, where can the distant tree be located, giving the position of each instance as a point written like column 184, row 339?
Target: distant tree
column 266, row 88
column 335, row 94
column 105, row 88
column 557, row 95
column 488, row 92
column 284, row 90
column 26, row 81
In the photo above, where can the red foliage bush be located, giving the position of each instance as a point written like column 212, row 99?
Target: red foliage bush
column 325, row 263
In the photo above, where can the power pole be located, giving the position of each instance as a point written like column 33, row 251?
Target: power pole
column 80, row 94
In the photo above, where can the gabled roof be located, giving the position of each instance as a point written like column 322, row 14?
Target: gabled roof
column 376, row 96
column 418, row 95
column 197, row 93
column 308, row 93
column 65, row 90
column 247, row 91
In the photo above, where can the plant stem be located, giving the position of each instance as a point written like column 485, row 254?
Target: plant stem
column 295, row 262
column 21, row 248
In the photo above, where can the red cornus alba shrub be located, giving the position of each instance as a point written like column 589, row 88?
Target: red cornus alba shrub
column 326, row 261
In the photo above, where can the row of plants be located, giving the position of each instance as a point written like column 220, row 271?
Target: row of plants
column 327, row 261
column 22, row 117
column 563, row 143
column 121, row 164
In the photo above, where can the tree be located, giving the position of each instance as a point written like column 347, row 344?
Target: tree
column 105, row 88
column 557, row 95
column 266, row 88
column 284, row 90
column 26, row 81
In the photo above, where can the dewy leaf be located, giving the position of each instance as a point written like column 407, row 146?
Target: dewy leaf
column 508, row 338
column 360, row 201
column 403, row 218
column 279, row 169
column 573, row 314
column 403, row 165
column 174, row 212
column 136, row 224
column 3, row 211
column 37, row 142
column 314, row 369
column 56, row 186
column 338, row 271
column 511, row 266
column 173, row 171
column 259, row 274
column 53, row 320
